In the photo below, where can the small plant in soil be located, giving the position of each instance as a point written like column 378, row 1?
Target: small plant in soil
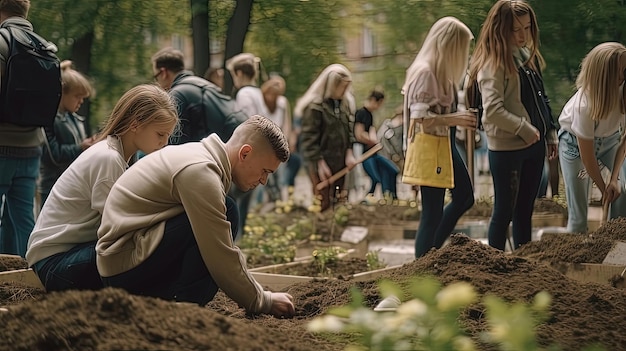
column 264, row 240
column 325, row 256
column 373, row 261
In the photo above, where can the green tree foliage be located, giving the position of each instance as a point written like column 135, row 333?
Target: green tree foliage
column 124, row 33
column 568, row 31
column 296, row 39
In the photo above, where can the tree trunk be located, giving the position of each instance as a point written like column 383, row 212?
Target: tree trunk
column 200, row 30
column 81, row 57
column 236, row 35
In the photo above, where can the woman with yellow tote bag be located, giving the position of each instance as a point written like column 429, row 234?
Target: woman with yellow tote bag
column 430, row 112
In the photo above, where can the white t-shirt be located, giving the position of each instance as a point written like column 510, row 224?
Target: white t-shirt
column 71, row 215
column 278, row 116
column 575, row 119
column 250, row 100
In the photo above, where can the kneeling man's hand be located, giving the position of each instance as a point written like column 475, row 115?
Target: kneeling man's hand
column 282, row 305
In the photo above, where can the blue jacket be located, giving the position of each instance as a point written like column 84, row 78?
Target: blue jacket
column 61, row 147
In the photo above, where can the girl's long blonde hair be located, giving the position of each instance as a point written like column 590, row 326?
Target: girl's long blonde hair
column 141, row 105
column 323, row 87
column 494, row 48
column 599, row 79
column 445, row 51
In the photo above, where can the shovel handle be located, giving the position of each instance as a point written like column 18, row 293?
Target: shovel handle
column 333, row 178
column 605, row 213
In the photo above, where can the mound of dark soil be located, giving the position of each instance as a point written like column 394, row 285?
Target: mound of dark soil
column 580, row 314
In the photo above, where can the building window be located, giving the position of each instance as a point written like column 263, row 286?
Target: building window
column 178, row 42
column 368, row 45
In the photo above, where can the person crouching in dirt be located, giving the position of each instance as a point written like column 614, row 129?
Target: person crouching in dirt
column 591, row 137
column 168, row 226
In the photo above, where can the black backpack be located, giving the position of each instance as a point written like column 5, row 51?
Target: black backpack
column 216, row 113
column 31, row 82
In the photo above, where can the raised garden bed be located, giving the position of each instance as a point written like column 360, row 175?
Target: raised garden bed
column 14, row 269
column 346, row 266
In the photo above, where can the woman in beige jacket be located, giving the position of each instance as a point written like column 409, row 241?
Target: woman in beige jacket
column 516, row 115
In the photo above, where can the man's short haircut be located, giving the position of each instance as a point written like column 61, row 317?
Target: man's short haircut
column 15, row 7
column 377, row 95
column 270, row 131
column 169, row 58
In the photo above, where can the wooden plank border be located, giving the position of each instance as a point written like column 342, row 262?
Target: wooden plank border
column 23, row 276
column 593, row 272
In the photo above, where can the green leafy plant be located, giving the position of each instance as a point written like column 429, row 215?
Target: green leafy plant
column 428, row 320
column 373, row 261
column 263, row 240
column 324, row 256
column 341, row 215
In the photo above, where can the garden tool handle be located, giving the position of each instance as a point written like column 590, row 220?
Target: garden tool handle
column 605, row 213
column 333, row 178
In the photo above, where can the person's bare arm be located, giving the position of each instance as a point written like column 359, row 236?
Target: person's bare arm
column 363, row 136
column 613, row 189
column 464, row 119
column 588, row 157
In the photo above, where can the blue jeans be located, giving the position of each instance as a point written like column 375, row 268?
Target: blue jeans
column 243, row 199
column 577, row 181
column 293, row 165
column 175, row 270
column 74, row 269
column 381, row 171
column 437, row 222
column 18, row 180
column 516, row 176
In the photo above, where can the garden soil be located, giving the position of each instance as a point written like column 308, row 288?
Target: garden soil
column 581, row 314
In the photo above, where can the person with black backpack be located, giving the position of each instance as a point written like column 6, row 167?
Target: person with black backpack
column 202, row 108
column 29, row 96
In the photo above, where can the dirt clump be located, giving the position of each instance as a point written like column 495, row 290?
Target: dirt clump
column 484, row 207
column 576, row 247
column 10, row 262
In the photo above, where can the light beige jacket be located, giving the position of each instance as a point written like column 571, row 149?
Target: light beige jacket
column 505, row 119
column 192, row 177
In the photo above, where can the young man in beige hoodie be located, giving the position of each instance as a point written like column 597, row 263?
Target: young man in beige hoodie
column 168, row 226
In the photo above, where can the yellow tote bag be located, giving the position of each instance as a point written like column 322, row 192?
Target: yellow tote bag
column 428, row 161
